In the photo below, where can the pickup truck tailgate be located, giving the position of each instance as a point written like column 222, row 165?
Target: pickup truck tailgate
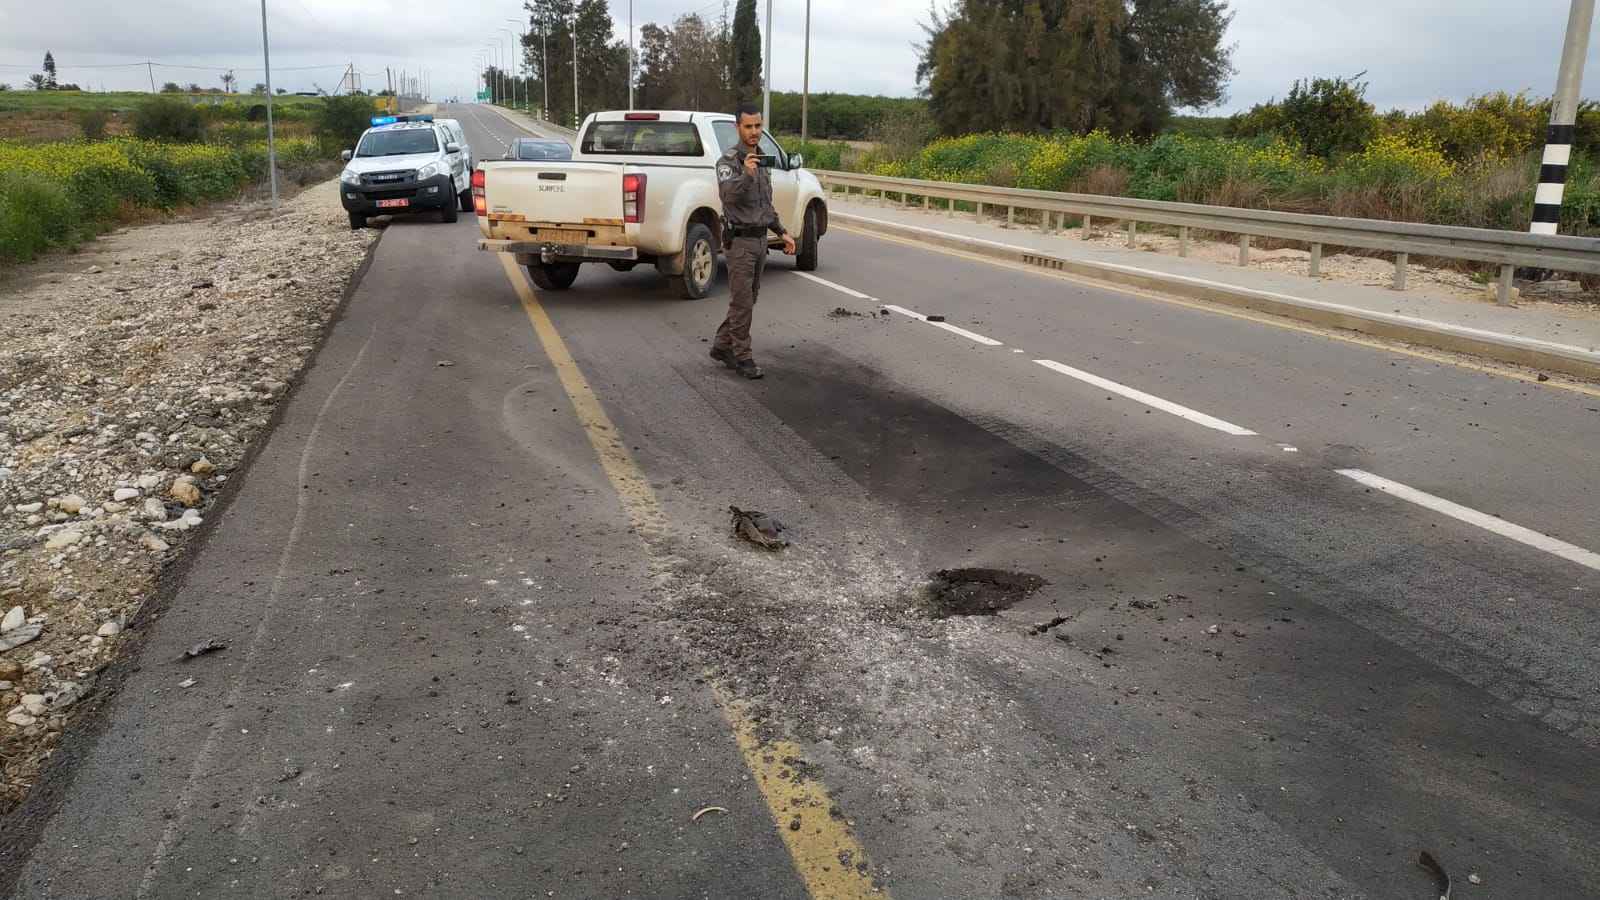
column 553, row 193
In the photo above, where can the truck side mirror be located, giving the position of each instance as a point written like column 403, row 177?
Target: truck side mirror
column 452, row 147
column 796, row 162
column 345, row 156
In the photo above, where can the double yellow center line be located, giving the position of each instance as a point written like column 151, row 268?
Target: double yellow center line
column 827, row 856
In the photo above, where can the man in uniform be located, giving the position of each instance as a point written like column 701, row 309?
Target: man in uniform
column 746, row 188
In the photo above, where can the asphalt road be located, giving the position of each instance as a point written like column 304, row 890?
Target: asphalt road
column 474, row 658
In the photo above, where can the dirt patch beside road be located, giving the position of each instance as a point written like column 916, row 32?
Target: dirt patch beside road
column 136, row 376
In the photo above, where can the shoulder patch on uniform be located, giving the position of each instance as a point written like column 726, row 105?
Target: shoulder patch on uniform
column 724, row 172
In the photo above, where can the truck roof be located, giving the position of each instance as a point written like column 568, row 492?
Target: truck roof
column 661, row 115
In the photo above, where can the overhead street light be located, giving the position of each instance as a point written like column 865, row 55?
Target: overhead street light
column 513, row 36
column 521, row 59
column 500, row 66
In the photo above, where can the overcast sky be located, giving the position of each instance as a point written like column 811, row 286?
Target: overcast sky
column 1413, row 51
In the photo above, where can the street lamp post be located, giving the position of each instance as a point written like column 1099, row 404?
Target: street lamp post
column 574, row 69
column 500, row 65
column 272, row 146
column 479, row 61
column 521, row 59
column 766, row 73
column 630, row 54
column 514, row 69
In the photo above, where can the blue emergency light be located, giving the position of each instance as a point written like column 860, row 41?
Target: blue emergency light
column 390, row 120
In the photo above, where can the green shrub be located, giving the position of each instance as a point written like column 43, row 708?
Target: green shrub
column 93, row 123
column 35, row 215
column 340, row 120
column 171, row 120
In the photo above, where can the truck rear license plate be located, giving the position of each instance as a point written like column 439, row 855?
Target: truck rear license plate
column 384, row 204
column 562, row 235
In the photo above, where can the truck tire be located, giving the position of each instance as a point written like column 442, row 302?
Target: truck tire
column 358, row 221
column 447, row 212
column 699, row 264
column 554, row 277
column 805, row 258
column 465, row 200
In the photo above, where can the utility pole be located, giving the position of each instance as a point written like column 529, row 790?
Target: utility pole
column 805, row 82
column 521, row 60
column 630, row 54
column 272, row 146
column 151, row 69
column 766, row 74
column 544, row 65
column 1563, row 118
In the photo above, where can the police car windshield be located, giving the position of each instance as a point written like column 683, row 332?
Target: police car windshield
column 398, row 142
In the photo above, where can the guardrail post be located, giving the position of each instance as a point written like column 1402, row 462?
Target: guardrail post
column 978, row 216
column 1316, row 260
column 1088, row 227
column 902, row 199
column 1183, row 240
column 926, row 202
column 1011, row 216
column 950, row 208
column 1133, row 235
column 1049, row 224
column 1244, row 249
column 1503, row 298
column 1400, row 271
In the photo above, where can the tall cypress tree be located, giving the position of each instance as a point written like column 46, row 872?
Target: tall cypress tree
column 744, row 68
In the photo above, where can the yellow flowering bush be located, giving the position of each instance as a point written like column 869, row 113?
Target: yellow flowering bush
column 54, row 194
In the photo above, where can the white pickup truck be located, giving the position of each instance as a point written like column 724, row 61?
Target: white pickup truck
column 641, row 187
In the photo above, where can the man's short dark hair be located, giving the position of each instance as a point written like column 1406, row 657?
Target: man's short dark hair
column 746, row 109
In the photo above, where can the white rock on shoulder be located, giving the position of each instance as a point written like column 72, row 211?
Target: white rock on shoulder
column 34, row 704
column 153, row 543
column 71, row 504
column 13, row 619
column 123, row 495
column 109, row 629
column 29, row 508
column 61, row 540
column 149, row 482
column 155, row 510
column 20, row 718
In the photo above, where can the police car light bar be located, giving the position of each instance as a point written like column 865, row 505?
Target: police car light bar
column 390, row 120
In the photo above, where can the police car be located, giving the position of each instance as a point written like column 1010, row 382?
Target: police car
column 407, row 164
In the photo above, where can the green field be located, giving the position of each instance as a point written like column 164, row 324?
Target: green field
column 121, row 101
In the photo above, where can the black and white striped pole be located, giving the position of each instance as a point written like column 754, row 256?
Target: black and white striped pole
column 1563, row 118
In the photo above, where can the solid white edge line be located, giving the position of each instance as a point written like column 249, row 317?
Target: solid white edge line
column 1570, row 552
column 1182, row 412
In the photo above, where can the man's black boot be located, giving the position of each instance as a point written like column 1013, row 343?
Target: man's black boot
column 749, row 369
column 724, row 356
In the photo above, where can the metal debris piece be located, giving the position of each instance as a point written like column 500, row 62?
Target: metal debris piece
column 758, row 528
column 202, row 649
column 936, row 318
column 709, row 809
column 1427, row 861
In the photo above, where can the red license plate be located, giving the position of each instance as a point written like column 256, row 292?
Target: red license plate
column 385, row 204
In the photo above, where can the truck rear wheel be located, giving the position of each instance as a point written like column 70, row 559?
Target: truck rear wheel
column 699, row 264
column 805, row 258
column 447, row 212
column 554, row 277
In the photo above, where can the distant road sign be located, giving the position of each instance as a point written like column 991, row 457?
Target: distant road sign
column 483, row 95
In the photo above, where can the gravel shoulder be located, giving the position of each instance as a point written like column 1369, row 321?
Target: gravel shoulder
column 135, row 376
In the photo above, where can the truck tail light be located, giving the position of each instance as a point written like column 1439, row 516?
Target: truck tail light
column 479, row 203
column 633, row 198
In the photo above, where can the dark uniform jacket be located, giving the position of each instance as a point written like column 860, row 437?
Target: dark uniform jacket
column 746, row 201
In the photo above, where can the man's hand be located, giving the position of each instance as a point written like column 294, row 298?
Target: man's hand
column 788, row 243
column 751, row 164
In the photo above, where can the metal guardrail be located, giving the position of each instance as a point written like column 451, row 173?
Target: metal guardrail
column 1507, row 249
